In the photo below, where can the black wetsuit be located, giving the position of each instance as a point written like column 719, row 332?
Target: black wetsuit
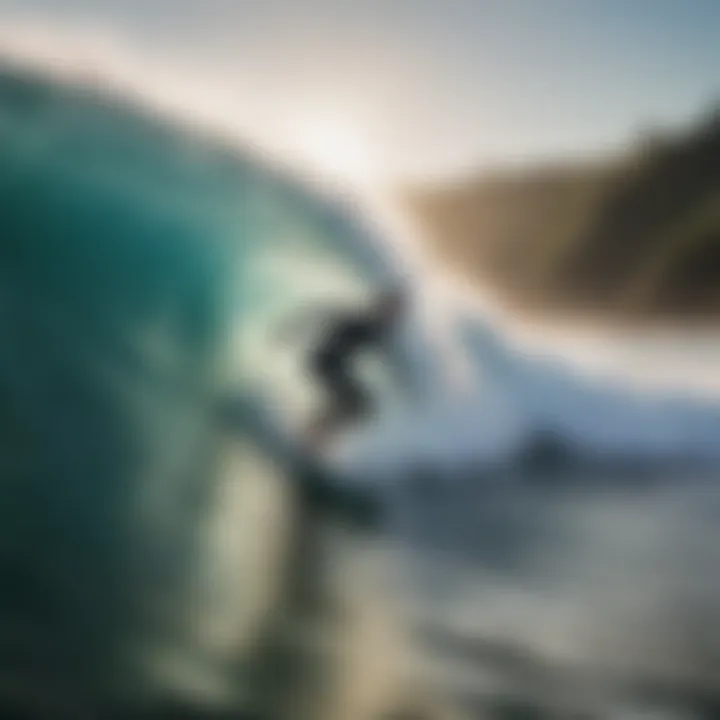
column 332, row 359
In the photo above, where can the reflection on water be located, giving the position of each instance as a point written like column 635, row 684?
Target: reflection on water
column 522, row 594
column 586, row 594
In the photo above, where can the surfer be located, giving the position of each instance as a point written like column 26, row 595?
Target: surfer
column 344, row 335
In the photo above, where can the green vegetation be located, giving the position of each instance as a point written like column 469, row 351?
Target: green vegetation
column 633, row 236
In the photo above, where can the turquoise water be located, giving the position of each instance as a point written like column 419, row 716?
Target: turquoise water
column 142, row 265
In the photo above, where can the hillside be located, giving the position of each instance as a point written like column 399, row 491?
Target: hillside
column 635, row 236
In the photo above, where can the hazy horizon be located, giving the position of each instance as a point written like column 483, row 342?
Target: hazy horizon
column 400, row 91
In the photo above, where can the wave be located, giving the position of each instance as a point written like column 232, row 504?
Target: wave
column 139, row 256
column 143, row 267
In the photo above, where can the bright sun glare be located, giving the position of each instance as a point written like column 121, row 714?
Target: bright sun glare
column 340, row 152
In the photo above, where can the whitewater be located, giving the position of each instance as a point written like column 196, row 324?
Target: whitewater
column 493, row 382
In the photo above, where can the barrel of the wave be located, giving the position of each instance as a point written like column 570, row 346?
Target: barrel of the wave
column 123, row 243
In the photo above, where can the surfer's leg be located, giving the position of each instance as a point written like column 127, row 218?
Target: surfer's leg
column 347, row 402
column 352, row 398
column 326, row 372
column 348, row 405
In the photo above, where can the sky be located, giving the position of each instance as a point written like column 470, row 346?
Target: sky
column 403, row 90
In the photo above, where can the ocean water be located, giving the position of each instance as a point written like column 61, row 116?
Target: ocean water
column 146, row 548
column 547, row 542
